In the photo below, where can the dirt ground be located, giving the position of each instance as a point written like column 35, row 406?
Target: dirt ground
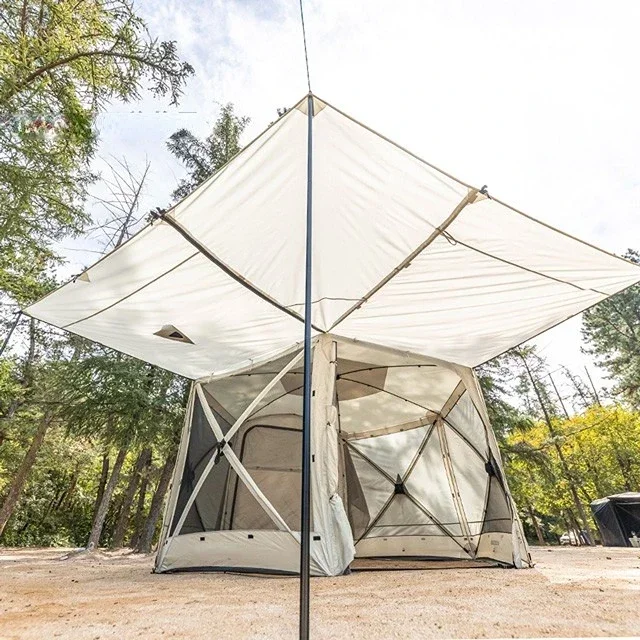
column 572, row 592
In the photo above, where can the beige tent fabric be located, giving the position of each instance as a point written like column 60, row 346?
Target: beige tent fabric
column 404, row 255
column 417, row 277
column 404, row 463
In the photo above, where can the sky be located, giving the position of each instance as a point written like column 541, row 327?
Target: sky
column 537, row 100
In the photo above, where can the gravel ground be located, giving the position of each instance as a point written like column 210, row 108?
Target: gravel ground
column 49, row 593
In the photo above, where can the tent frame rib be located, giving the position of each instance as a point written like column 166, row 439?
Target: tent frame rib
column 186, row 234
column 453, row 483
column 258, row 399
column 236, row 465
column 405, row 477
column 469, row 198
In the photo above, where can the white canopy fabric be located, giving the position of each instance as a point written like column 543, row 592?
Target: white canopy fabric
column 404, row 255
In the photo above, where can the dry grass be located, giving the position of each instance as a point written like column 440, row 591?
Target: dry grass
column 47, row 593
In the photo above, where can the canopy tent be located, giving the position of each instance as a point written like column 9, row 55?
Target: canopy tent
column 417, row 278
column 404, row 464
column 404, row 256
column 618, row 519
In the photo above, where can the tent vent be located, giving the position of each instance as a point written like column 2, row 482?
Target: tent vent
column 398, row 488
column 171, row 333
column 250, row 536
column 489, row 468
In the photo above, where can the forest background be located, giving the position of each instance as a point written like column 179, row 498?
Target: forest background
column 88, row 436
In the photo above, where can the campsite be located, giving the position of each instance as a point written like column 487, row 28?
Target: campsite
column 286, row 365
column 583, row 592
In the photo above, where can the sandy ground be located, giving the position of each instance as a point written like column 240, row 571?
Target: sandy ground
column 571, row 592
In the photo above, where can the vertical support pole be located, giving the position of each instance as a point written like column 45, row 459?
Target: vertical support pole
column 305, row 507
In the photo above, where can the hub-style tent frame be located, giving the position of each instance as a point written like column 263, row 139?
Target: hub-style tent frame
column 404, row 463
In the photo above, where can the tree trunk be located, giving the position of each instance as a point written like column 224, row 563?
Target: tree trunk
column 21, row 475
column 576, row 528
column 139, row 519
column 67, row 496
column 122, row 523
column 563, row 462
column 536, row 525
column 103, row 507
column 104, row 476
column 155, row 511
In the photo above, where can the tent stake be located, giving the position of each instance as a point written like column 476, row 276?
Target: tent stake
column 305, row 508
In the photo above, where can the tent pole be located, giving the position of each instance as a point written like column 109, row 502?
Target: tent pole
column 305, row 507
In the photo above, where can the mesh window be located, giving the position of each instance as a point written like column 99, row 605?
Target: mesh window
column 206, row 511
column 271, row 455
column 498, row 516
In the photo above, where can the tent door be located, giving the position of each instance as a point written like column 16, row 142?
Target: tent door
column 271, row 455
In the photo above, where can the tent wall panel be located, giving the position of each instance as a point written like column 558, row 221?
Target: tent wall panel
column 471, row 478
column 274, row 551
column 417, row 488
column 411, row 546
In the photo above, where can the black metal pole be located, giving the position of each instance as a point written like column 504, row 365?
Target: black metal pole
column 305, row 508
column 14, row 324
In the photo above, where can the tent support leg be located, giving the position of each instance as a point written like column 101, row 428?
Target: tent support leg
column 305, row 510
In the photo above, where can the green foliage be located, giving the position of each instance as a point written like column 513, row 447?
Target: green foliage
column 57, row 503
column 120, row 399
column 612, row 333
column 495, row 377
column 602, row 448
column 61, row 61
column 203, row 157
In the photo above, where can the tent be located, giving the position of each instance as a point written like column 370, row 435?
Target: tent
column 417, row 278
column 618, row 519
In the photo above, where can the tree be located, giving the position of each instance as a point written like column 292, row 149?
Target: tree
column 611, row 330
column 204, row 157
column 495, row 378
column 61, row 62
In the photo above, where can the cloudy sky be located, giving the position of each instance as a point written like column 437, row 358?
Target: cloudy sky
column 538, row 100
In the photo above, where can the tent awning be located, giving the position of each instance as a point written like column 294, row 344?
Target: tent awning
column 404, row 255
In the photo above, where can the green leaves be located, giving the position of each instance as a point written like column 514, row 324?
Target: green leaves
column 612, row 332
column 204, row 157
column 62, row 61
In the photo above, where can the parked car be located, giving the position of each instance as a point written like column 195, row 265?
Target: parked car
column 574, row 538
column 568, row 538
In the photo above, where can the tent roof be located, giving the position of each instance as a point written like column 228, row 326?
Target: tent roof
column 404, row 255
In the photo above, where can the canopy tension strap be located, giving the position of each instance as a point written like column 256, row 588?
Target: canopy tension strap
column 161, row 214
column 439, row 230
